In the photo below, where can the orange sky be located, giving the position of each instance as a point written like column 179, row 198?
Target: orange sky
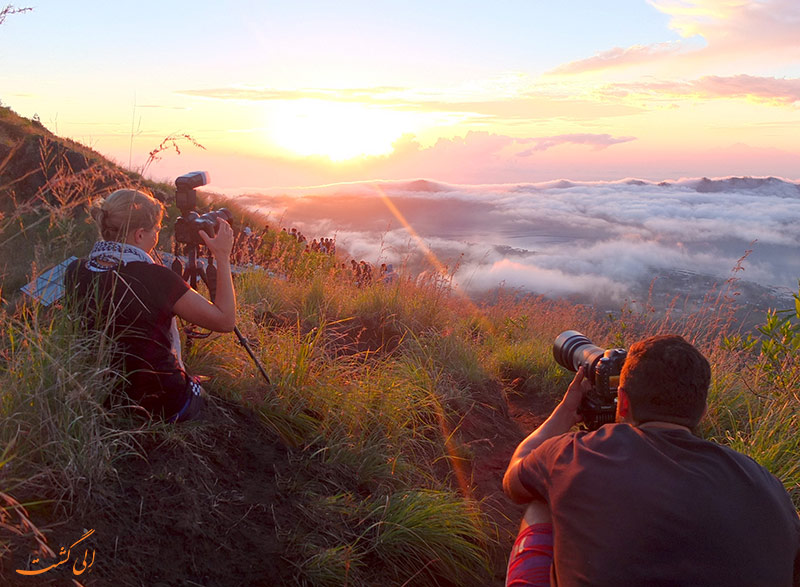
column 465, row 92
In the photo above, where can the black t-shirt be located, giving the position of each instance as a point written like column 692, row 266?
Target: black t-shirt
column 135, row 304
column 636, row 506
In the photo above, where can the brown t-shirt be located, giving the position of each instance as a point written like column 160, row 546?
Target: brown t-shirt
column 652, row 507
column 137, row 300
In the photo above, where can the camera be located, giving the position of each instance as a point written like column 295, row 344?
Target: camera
column 188, row 227
column 190, row 223
column 602, row 367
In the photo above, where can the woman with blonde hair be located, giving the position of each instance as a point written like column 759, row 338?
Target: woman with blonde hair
column 121, row 289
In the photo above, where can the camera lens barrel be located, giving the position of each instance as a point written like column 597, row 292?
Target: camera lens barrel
column 572, row 349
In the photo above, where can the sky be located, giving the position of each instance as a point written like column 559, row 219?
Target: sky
column 312, row 92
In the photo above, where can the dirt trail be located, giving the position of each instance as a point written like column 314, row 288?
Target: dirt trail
column 493, row 442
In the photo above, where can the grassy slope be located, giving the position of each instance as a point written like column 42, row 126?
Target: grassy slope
column 374, row 457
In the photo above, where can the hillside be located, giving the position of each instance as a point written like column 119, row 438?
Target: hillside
column 278, row 484
column 36, row 163
column 374, row 454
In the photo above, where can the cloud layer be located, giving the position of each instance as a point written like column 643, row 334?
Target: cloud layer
column 601, row 241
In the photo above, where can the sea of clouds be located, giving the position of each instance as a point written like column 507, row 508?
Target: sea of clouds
column 600, row 242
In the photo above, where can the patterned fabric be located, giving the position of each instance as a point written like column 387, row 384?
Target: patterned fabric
column 531, row 557
column 107, row 255
column 195, row 403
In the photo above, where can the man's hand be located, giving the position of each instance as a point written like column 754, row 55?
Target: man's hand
column 564, row 417
column 572, row 399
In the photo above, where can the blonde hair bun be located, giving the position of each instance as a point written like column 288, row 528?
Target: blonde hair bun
column 125, row 210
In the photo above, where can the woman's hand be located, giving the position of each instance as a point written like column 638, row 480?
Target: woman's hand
column 221, row 314
column 221, row 244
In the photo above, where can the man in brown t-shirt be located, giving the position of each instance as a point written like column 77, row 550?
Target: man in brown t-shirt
column 644, row 501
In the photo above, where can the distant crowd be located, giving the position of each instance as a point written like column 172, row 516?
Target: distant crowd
column 248, row 250
column 363, row 273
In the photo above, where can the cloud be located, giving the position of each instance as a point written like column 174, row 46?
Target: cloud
column 619, row 57
column 718, row 35
column 761, row 88
column 272, row 94
column 161, row 107
column 549, row 282
column 603, row 242
column 779, row 91
column 480, row 155
column 732, row 24
column 597, row 141
column 542, row 103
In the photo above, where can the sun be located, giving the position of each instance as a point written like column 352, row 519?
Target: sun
column 336, row 130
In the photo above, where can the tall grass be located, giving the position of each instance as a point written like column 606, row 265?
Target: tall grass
column 53, row 383
column 372, row 426
column 370, row 389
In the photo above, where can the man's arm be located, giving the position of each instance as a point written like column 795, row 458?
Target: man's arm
column 564, row 417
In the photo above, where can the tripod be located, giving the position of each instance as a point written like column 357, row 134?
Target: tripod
column 209, row 278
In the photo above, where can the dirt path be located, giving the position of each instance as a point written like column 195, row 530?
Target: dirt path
column 493, row 441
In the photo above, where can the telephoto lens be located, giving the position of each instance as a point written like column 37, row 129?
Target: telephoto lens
column 602, row 367
column 572, row 349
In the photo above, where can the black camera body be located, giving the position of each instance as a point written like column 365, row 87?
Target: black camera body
column 188, row 227
column 602, row 367
column 190, row 223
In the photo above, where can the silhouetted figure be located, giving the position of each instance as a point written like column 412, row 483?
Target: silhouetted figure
column 366, row 273
column 388, row 274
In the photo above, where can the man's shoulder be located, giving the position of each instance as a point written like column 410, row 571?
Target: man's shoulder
column 613, row 435
column 605, row 432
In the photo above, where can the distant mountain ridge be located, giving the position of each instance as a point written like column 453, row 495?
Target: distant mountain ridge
column 701, row 185
column 706, row 185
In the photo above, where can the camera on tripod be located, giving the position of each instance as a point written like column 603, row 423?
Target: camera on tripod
column 190, row 223
column 602, row 367
column 187, row 232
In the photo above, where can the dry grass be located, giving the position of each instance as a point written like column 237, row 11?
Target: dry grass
column 371, row 387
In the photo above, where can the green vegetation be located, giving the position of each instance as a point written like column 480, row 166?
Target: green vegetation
column 361, row 463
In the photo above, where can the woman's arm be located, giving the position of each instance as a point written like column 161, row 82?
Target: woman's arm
column 220, row 315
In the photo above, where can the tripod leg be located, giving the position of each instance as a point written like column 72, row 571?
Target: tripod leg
column 209, row 278
column 246, row 345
